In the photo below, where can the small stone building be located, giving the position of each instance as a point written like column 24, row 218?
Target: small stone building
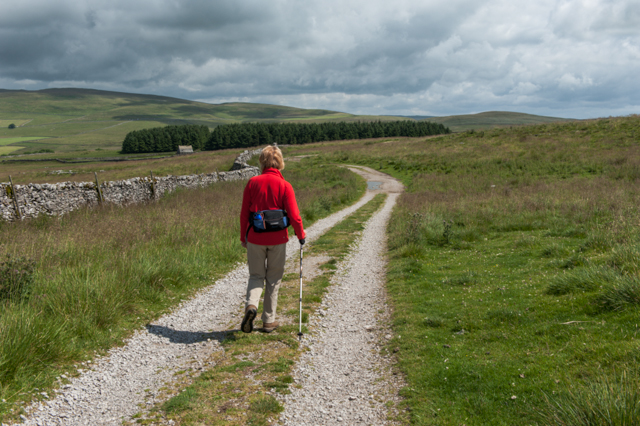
column 185, row 149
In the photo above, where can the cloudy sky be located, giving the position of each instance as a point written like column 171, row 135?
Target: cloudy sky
column 566, row 58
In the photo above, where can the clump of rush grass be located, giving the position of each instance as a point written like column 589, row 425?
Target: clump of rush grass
column 616, row 291
column 623, row 294
column 582, row 280
column 554, row 250
column 626, row 259
column 604, row 401
column 261, row 408
column 16, row 275
column 468, row 278
column 577, row 259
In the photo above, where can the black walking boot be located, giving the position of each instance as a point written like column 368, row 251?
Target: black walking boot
column 249, row 315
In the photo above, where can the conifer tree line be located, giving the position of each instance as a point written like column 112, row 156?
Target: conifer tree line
column 164, row 139
column 244, row 135
column 253, row 134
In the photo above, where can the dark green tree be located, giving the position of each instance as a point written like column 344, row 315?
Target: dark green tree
column 246, row 135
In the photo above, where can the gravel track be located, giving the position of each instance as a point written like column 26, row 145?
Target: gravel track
column 343, row 378
column 129, row 378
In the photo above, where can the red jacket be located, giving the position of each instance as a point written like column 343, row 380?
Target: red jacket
column 269, row 191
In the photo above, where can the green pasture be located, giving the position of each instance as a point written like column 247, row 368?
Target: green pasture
column 513, row 271
column 9, row 141
column 9, row 149
column 18, row 122
column 77, row 136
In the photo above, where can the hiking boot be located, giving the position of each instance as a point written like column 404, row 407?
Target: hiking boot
column 249, row 315
column 269, row 327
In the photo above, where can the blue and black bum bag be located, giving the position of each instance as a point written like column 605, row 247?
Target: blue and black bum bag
column 269, row 221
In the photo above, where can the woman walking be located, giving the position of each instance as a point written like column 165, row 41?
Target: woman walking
column 268, row 207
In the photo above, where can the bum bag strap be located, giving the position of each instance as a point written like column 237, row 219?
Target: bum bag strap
column 246, row 236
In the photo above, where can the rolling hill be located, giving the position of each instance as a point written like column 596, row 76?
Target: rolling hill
column 491, row 119
column 79, row 121
column 73, row 120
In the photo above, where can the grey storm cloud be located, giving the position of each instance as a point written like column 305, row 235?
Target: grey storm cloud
column 554, row 57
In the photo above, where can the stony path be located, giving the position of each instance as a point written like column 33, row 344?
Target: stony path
column 129, row 378
column 343, row 379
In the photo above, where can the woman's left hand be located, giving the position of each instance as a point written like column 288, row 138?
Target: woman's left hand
column 244, row 244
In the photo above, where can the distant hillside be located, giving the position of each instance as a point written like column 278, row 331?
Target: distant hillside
column 100, row 104
column 415, row 117
column 86, row 119
column 491, row 119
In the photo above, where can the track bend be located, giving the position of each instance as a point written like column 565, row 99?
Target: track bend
column 129, row 378
column 342, row 378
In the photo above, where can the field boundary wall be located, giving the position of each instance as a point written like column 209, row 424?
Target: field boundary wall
column 60, row 198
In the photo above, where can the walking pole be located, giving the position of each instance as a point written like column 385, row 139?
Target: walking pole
column 300, row 330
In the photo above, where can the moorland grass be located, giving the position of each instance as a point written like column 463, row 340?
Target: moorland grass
column 99, row 273
column 491, row 119
column 513, row 271
column 9, row 149
column 605, row 401
column 18, row 122
column 44, row 171
column 7, row 141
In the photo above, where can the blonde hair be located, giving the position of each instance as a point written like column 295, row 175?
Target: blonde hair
column 271, row 157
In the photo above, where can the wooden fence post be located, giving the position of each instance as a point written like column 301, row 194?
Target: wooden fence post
column 100, row 198
column 153, row 186
column 14, row 195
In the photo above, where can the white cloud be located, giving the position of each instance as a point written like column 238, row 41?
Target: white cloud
column 557, row 57
column 570, row 81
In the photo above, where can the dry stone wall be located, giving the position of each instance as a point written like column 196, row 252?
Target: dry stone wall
column 59, row 198
column 242, row 159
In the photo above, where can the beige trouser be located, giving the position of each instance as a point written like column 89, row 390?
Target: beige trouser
column 266, row 264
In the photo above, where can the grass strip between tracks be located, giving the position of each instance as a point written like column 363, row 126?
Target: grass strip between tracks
column 240, row 388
